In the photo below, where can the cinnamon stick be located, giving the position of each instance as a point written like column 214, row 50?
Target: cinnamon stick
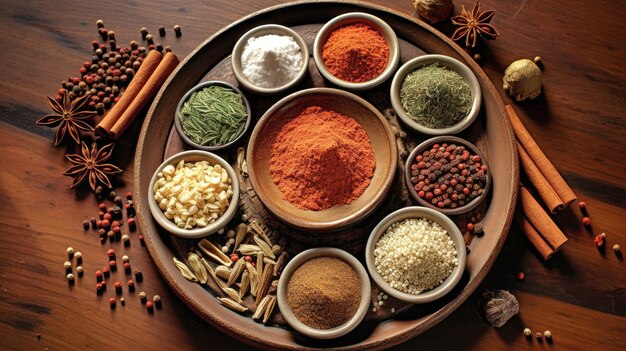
column 535, row 238
column 545, row 190
column 146, row 69
column 539, row 158
column 152, row 86
column 541, row 221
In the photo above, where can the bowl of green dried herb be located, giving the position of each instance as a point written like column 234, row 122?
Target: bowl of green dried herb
column 212, row 116
column 436, row 95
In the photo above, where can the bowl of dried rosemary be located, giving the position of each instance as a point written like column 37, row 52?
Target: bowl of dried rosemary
column 212, row 116
column 436, row 95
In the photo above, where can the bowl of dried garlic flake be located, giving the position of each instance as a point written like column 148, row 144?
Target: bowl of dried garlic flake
column 193, row 194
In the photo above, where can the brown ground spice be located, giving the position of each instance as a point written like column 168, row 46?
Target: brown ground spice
column 324, row 292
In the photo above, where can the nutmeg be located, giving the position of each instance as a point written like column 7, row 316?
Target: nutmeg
column 522, row 80
column 433, row 10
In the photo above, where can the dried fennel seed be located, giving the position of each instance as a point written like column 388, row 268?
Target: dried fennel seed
column 185, row 271
column 213, row 116
column 435, row 96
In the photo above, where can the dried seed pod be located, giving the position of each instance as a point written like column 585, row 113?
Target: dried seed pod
column 278, row 267
column 214, row 252
column 269, row 308
column 267, row 249
column 254, row 278
column 197, row 267
column 499, row 306
column 244, row 287
column 233, row 305
column 223, row 272
column 249, row 250
column 242, row 230
column 185, row 271
column 260, row 310
column 217, row 280
column 257, row 229
column 264, row 284
column 522, row 80
column 241, row 162
column 239, row 267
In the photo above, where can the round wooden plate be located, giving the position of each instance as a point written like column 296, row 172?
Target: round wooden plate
column 491, row 133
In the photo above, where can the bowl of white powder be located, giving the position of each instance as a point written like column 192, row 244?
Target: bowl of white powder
column 416, row 254
column 270, row 59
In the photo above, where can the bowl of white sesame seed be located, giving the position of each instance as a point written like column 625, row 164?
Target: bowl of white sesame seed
column 416, row 255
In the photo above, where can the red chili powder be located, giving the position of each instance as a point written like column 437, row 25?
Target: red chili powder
column 355, row 53
column 322, row 159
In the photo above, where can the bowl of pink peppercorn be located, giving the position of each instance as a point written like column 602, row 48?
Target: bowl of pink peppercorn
column 448, row 174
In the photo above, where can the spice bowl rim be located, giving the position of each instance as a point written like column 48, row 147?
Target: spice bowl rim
column 353, row 17
column 440, row 139
column 417, row 212
column 198, row 87
column 268, row 29
column 451, row 63
column 221, row 222
column 299, row 260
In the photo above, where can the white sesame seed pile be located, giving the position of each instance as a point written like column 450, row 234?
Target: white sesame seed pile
column 415, row 255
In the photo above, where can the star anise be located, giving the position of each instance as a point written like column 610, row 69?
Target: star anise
column 91, row 165
column 69, row 116
column 474, row 24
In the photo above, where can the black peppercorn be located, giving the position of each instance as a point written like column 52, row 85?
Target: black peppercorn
column 162, row 31
column 150, row 39
column 177, row 31
column 144, row 33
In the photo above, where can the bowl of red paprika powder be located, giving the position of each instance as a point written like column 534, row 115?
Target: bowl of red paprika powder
column 356, row 51
column 322, row 159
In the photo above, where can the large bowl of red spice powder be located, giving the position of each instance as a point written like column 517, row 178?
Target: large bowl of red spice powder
column 322, row 159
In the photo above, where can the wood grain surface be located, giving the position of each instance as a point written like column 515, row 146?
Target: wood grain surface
column 579, row 295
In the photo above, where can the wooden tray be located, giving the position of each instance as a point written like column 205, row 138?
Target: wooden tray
column 491, row 133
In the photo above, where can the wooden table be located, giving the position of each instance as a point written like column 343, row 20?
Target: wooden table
column 579, row 295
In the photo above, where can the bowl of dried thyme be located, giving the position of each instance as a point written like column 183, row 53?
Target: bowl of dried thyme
column 212, row 116
column 436, row 95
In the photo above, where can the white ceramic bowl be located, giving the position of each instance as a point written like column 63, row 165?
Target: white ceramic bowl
column 170, row 226
column 179, row 127
column 261, row 31
column 417, row 212
column 294, row 264
column 451, row 64
column 357, row 17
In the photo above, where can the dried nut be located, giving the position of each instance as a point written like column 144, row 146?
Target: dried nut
column 214, row 252
column 242, row 230
column 267, row 249
column 522, row 80
column 249, row 250
column 244, row 287
column 239, row 267
column 185, row 271
column 193, row 194
column 197, row 267
column 233, row 305
column 223, row 272
column 276, row 249
column 433, row 10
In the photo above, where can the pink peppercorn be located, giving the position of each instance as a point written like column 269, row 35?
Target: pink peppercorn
column 586, row 221
column 111, row 253
column 112, row 302
column 582, row 204
column 112, row 263
column 107, row 216
column 520, row 276
column 470, row 226
column 234, row 257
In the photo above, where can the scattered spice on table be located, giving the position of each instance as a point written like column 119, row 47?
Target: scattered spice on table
column 324, row 292
column 321, row 159
column 355, row 53
column 69, row 116
column 213, row 116
column 448, row 175
column 271, row 61
column 90, row 166
column 474, row 24
column 436, row 96
column 415, row 255
column 193, row 194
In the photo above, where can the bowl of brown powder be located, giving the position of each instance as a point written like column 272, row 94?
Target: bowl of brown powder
column 324, row 293
column 322, row 159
